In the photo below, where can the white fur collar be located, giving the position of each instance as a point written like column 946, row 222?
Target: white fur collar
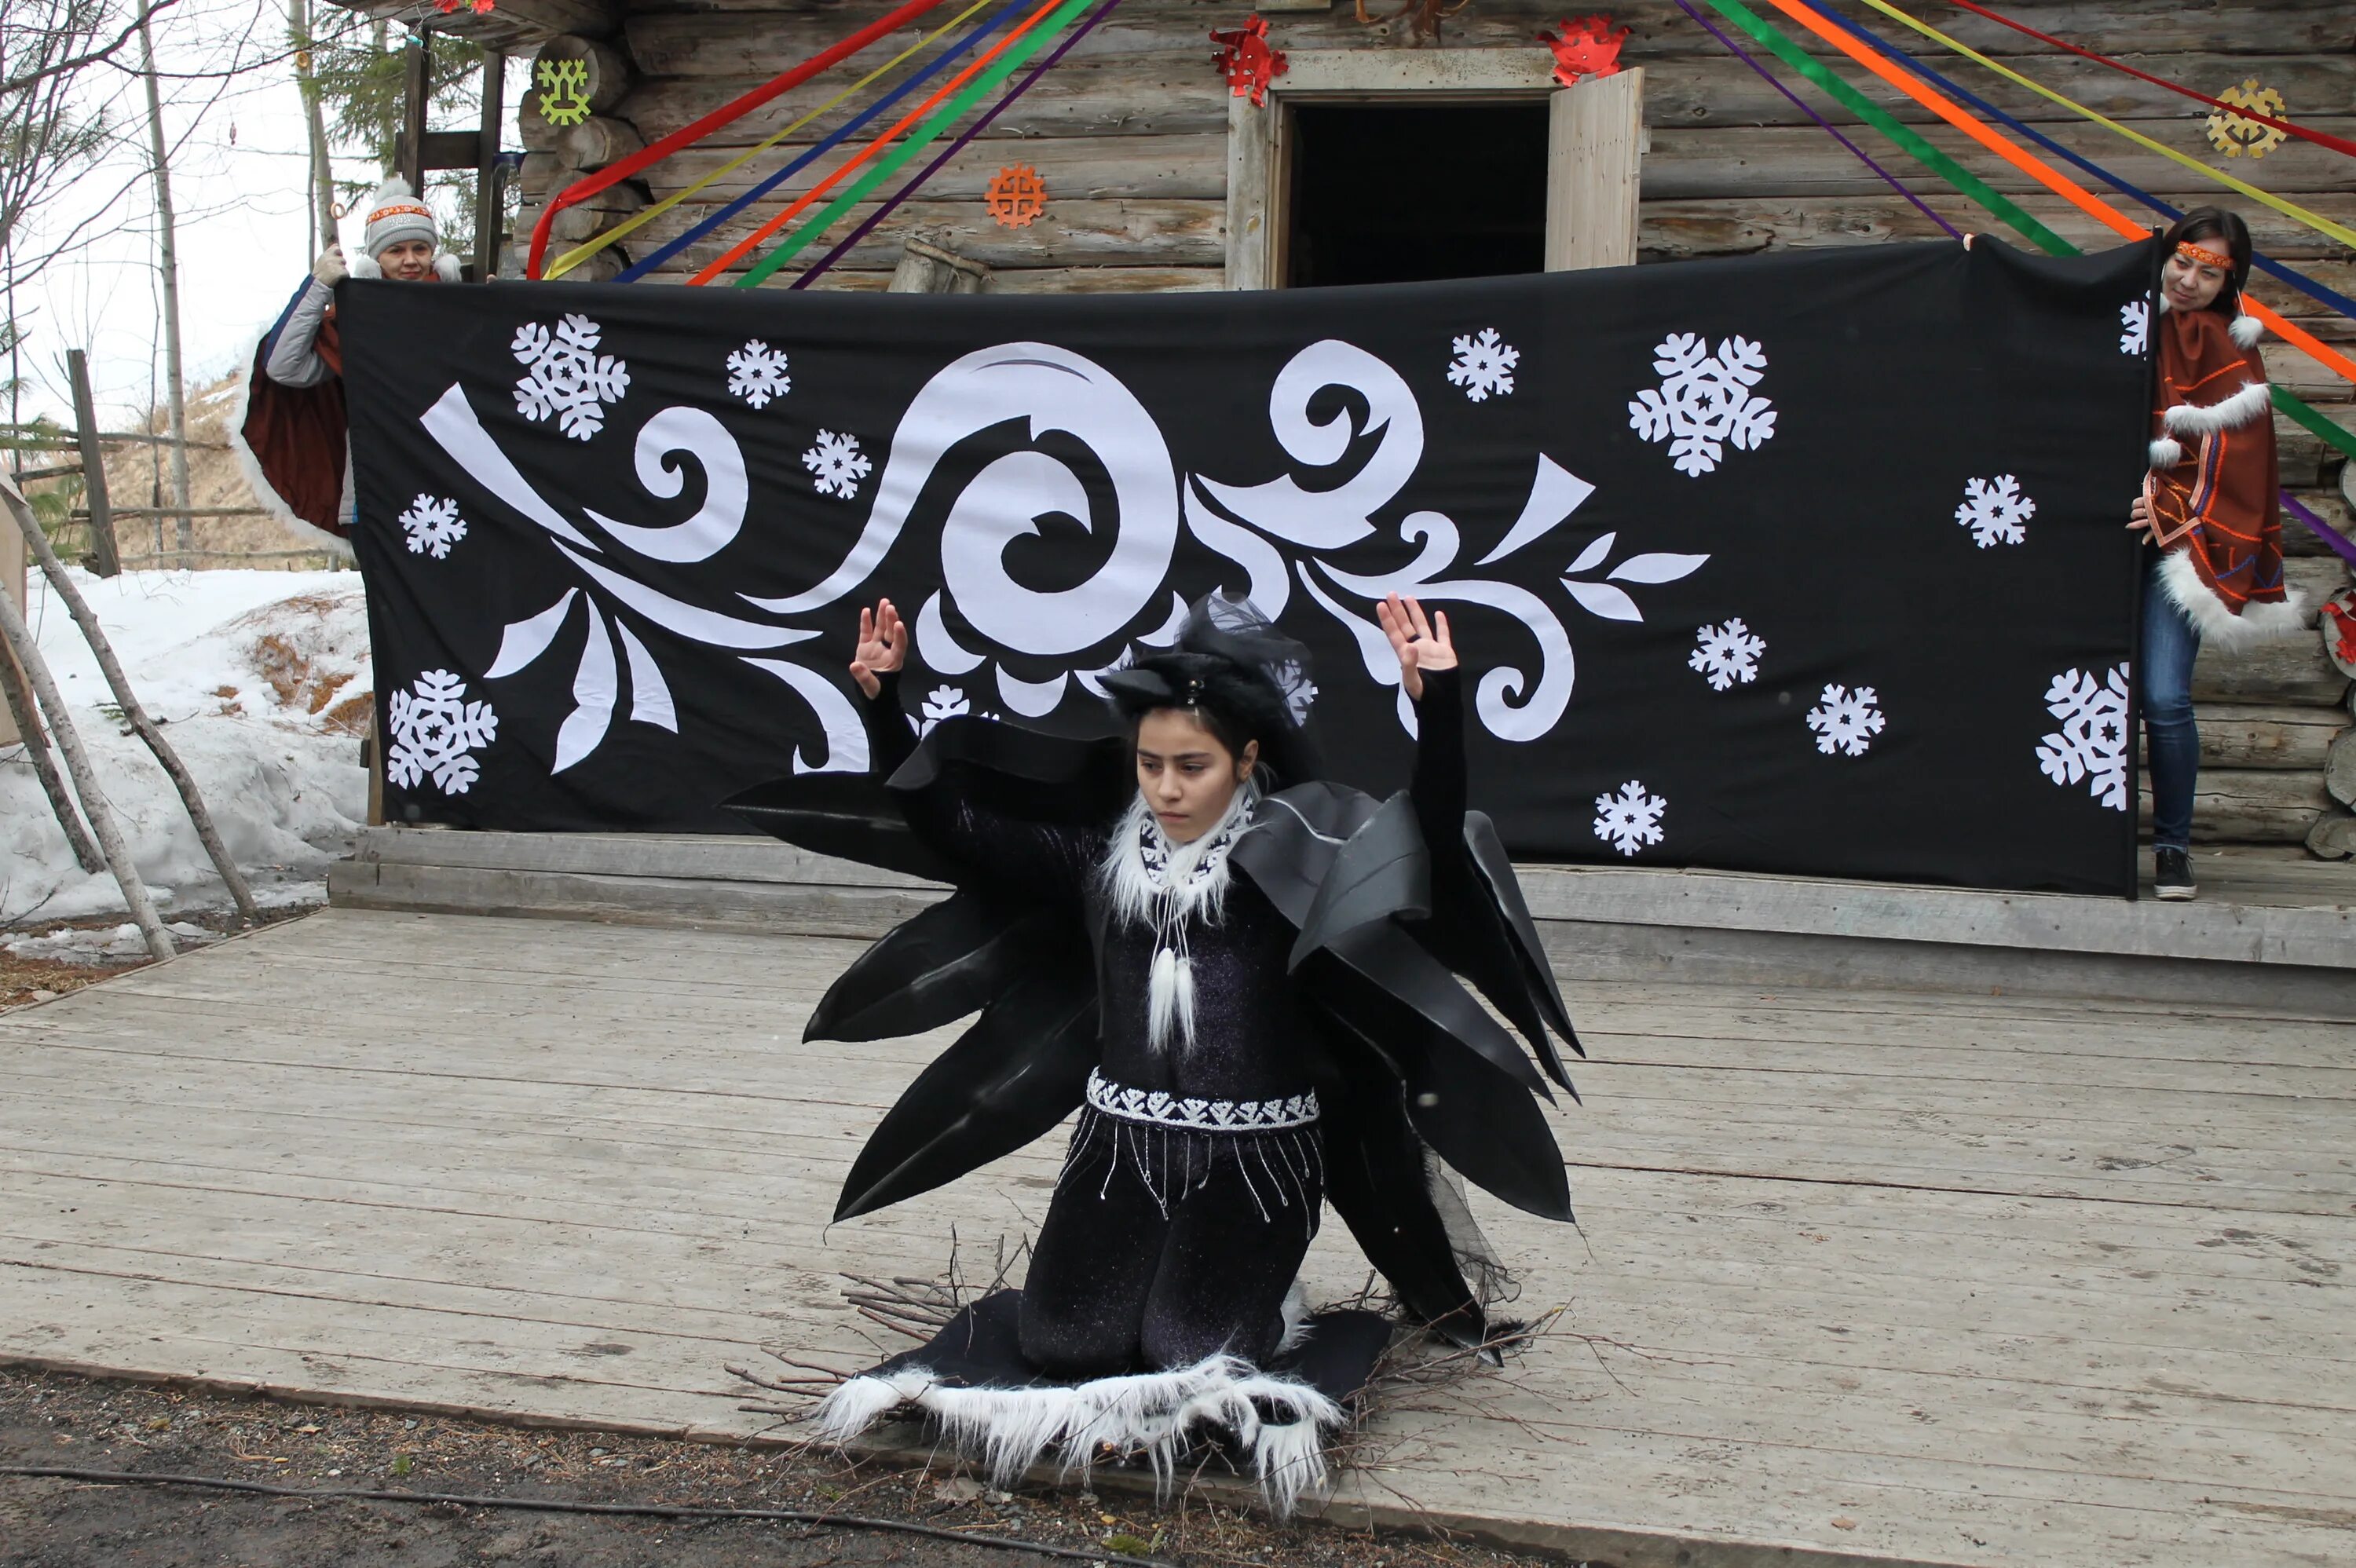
column 445, row 268
column 1149, row 879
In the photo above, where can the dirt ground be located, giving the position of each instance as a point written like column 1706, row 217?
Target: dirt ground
column 56, row 1420
column 26, row 980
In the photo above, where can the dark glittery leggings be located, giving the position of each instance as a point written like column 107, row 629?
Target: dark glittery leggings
column 1163, row 1246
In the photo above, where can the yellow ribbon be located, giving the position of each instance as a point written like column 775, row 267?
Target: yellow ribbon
column 583, row 252
column 2315, row 220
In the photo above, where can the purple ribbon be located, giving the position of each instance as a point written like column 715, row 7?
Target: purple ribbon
column 2341, row 545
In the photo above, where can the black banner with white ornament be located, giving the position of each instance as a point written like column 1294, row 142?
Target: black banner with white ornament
column 1811, row 563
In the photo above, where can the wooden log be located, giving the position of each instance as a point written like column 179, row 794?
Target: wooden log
column 2317, row 578
column 928, row 268
column 1150, row 96
column 1049, row 280
column 1743, row 224
column 2275, row 739
column 1162, row 93
column 2284, row 671
column 2298, row 540
column 597, row 141
column 2235, row 805
column 1075, row 169
column 1139, row 232
column 2307, row 461
column 2333, row 837
column 727, row 37
column 2339, row 768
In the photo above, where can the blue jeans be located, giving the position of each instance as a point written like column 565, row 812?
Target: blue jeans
column 2170, row 644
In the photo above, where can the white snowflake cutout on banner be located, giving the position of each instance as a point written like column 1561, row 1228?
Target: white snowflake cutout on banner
column 756, row 373
column 2135, row 327
column 838, row 465
column 1996, row 511
column 1703, row 401
column 565, row 376
column 2092, row 744
column 432, row 526
column 1845, row 720
column 1631, row 819
column 1726, row 654
column 435, row 731
column 1484, row 365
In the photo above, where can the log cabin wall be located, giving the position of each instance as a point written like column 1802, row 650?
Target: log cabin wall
column 1132, row 135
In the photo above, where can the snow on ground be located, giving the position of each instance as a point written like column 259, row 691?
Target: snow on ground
column 261, row 681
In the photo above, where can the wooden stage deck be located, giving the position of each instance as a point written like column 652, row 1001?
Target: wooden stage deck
column 1897, row 1278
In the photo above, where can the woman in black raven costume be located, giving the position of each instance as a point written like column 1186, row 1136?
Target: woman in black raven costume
column 1241, row 1047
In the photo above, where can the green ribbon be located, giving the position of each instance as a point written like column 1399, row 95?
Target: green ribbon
column 1971, row 185
column 1004, row 66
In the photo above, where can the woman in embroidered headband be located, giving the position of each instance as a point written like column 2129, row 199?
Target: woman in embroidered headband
column 2208, row 509
column 1240, row 976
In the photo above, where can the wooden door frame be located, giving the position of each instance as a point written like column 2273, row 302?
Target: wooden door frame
column 1602, row 128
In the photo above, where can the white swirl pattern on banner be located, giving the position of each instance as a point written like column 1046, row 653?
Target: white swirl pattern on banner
column 1278, row 531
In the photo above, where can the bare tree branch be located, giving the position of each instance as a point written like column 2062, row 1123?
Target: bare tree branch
column 93, row 57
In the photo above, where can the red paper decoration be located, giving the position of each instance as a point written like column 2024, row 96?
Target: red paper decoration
column 479, row 8
column 1016, row 195
column 1587, row 48
column 2340, row 613
column 1245, row 60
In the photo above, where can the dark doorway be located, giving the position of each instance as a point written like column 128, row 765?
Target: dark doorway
column 1405, row 195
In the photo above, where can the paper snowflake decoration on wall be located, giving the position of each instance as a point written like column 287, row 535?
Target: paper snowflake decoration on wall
column 1631, row 819
column 838, row 465
column 1484, row 365
column 1704, row 403
column 435, row 732
column 565, row 376
column 432, row 526
column 756, row 373
column 1845, row 720
column 2091, row 747
column 1996, row 511
column 1726, row 654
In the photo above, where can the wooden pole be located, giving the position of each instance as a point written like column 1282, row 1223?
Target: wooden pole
column 93, row 466
column 416, row 86
column 487, row 167
column 128, row 701
column 168, row 263
column 45, row 766
column 1595, row 148
column 19, row 639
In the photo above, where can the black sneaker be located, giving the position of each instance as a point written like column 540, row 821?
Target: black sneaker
column 2173, row 872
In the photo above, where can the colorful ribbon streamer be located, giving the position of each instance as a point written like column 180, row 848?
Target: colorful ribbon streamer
column 2266, row 264
column 1837, row 135
column 2314, row 220
column 2320, row 138
column 868, row 225
column 637, row 220
column 825, row 144
column 786, row 81
column 1023, row 49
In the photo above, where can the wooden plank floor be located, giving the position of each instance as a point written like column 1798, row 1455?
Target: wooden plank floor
column 1914, row 1278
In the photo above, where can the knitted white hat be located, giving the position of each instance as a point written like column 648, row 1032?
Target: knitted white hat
column 395, row 214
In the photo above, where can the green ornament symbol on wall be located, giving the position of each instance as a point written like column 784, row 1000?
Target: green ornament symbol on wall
column 565, row 101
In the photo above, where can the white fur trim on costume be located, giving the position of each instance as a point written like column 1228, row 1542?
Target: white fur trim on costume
column 2217, row 625
column 447, row 268
column 2167, row 453
column 2229, row 413
column 1008, row 1430
column 2246, row 330
column 250, row 467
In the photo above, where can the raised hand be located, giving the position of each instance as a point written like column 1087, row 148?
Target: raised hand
column 2139, row 517
column 882, row 647
column 1420, row 644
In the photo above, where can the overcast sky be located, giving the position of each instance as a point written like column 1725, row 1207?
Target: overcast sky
column 238, row 183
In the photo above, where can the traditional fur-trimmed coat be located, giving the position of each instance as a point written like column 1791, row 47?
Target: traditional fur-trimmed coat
column 2213, row 481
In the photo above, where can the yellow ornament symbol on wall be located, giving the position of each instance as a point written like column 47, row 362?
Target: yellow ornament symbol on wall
column 2234, row 134
column 565, row 101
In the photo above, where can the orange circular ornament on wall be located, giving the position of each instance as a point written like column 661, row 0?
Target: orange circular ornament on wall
column 1016, row 194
